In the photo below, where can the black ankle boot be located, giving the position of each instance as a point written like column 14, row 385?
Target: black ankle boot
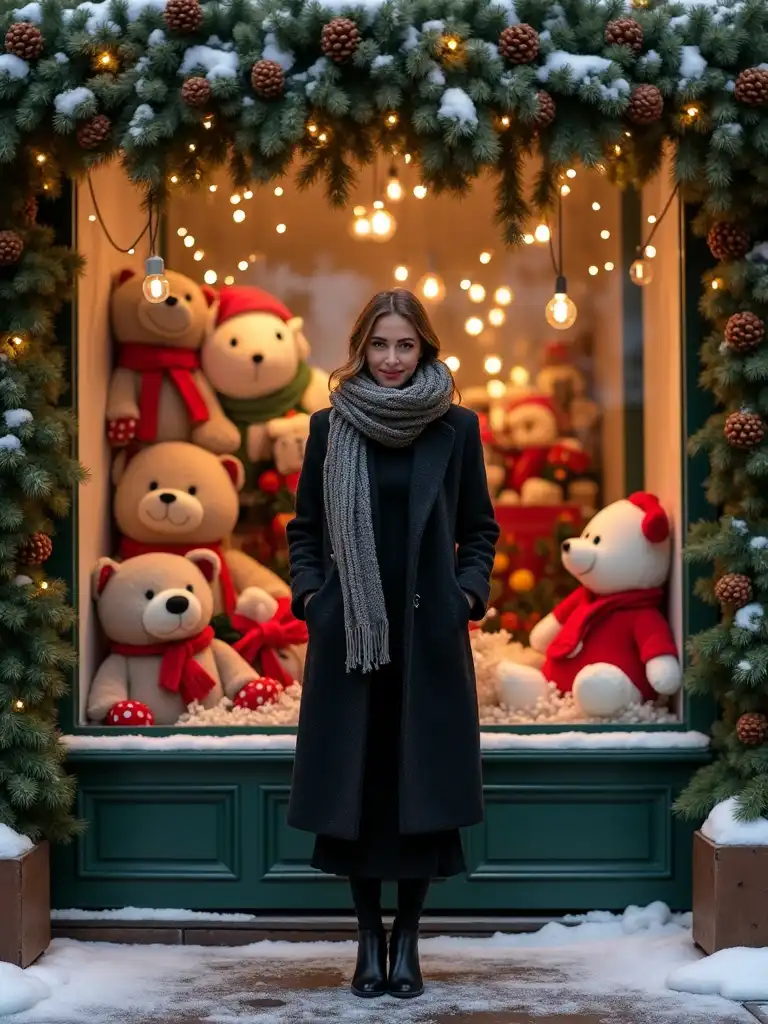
column 405, row 981
column 370, row 977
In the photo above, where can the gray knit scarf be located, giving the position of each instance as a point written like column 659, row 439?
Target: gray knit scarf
column 363, row 411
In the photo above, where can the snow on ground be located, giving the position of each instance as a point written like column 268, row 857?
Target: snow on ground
column 740, row 974
column 12, row 844
column 613, row 966
column 149, row 914
column 723, row 827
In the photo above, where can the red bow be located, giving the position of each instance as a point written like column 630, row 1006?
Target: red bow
column 179, row 672
column 152, row 363
column 262, row 640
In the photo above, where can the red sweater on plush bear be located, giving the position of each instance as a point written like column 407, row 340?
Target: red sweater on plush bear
column 625, row 630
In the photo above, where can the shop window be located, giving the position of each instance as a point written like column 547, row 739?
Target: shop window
column 573, row 420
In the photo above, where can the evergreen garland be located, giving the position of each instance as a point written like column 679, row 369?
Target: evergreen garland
column 466, row 87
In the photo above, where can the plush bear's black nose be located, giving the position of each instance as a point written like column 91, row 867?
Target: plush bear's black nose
column 177, row 605
column 258, row 358
column 566, row 545
column 167, row 499
column 171, row 300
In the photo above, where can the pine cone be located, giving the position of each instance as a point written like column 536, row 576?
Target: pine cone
column 90, row 134
column 734, row 590
column 339, row 39
column 752, row 729
column 25, row 40
column 625, row 32
column 36, row 550
column 728, row 241
column 183, row 15
column 646, row 104
column 268, row 79
column 28, row 210
column 547, row 109
column 744, row 430
column 11, row 248
column 744, row 332
column 752, row 87
column 519, row 44
column 196, row 92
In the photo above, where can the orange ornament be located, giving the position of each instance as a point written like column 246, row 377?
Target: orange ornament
column 500, row 563
column 522, row 580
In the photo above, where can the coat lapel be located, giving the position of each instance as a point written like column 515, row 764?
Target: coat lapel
column 431, row 454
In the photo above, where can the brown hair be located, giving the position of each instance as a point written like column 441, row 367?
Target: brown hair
column 398, row 301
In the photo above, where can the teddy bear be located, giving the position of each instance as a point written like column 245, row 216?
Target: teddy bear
column 255, row 356
column 174, row 497
column 158, row 390
column 156, row 611
column 608, row 642
column 527, row 461
column 269, row 637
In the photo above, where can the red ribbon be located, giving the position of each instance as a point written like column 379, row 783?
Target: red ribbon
column 179, row 672
column 131, row 548
column 262, row 640
column 152, row 363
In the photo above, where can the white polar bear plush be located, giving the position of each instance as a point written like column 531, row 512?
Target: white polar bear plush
column 255, row 356
column 608, row 642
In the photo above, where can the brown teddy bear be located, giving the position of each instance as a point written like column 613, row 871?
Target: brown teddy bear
column 158, row 391
column 175, row 497
column 156, row 612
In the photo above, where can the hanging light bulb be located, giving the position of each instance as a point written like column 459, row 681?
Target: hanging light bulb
column 453, row 363
column 401, row 273
column 496, row 317
column 641, row 272
column 383, row 226
column 519, row 376
column 360, row 227
column 394, row 187
column 542, row 233
column 561, row 310
column 432, row 287
column 476, row 293
column 492, row 365
column 474, row 326
column 504, row 295
column 155, row 287
column 420, row 191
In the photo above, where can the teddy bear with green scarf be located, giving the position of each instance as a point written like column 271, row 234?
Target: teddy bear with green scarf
column 255, row 356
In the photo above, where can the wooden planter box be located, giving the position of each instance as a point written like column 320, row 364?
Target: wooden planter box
column 730, row 895
column 25, row 906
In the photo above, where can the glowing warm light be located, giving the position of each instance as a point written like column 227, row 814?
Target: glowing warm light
column 593, row 270
column 359, row 211
column 407, row 158
column 44, row 585
column 248, row 194
column 238, row 216
column 361, row 227
column 605, row 234
column 235, row 198
column 652, row 218
column 131, row 252
column 595, row 206
column 485, row 257
column 570, row 173
column 383, row 225
column 41, row 158
column 542, row 233
column 401, row 273
column 420, row 191
column 496, row 317
column 192, row 147
column 322, row 137
column 17, row 340
column 529, row 239
column 208, row 122
column 503, row 295
column 492, row 365
column 505, row 121
column 432, row 288
column 181, row 232
column 392, row 120
column 451, row 43
column 199, row 255
column 394, row 189
column 281, row 229
column 378, row 204
column 453, row 363
column 92, row 217
column 213, row 188
column 210, row 277
column 242, row 265
column 519, row 376
column 312, row 128
column 565, row 190
column 496, row 388
column 617, row 150
column 650, row 252
column 561, row 311
column 609, row 267
column 174, row 179
column 474, row 326
column 155, row 286
column 18, row 705
column 189, row 241
column 717, row 283
column 692, row 112
column 641, row 273
column 229, row 279
column 279, row 191
column 465, row 284
column 105, row 59
column 476, row 293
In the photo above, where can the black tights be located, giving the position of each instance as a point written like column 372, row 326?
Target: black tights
column 411, row 894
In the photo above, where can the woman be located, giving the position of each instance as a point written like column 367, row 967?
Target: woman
column 391, row 554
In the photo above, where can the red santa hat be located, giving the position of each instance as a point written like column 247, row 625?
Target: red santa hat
column 544, row 401
column 236, row 300
column 655, row 525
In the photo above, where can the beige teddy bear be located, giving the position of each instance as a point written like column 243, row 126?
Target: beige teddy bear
column 158, row 390
column 175, row 497
column 156, row 612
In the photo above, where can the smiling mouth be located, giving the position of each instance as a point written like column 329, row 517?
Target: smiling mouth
column 167, row 518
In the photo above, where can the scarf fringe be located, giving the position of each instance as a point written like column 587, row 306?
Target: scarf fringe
column 367, row 646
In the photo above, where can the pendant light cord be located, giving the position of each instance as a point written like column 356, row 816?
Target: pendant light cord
column 641, row 248
column 152, row 226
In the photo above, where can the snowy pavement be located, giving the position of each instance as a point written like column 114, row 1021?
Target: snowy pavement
column 604, row 969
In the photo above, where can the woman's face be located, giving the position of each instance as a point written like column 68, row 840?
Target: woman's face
column 393, row 351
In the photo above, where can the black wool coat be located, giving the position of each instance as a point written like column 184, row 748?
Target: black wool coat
column 450, row 548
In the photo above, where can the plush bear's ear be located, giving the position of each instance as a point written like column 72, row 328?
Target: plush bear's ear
column 207, row 562
column 211, row 295
column 655, row 525
column 122, row 276
column 235, row 471
column 104, row 571
column 296, row 324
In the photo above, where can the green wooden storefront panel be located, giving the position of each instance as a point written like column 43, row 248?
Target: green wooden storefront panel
column 564, row 832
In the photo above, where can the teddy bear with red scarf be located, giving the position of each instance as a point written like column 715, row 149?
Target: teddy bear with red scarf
column 609, row 642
